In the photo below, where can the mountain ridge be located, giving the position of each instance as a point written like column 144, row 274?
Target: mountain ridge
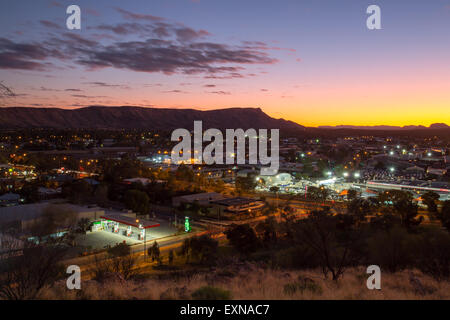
column 386, row 127
column 129, row 117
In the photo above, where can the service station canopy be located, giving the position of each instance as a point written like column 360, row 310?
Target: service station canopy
column 134, row 222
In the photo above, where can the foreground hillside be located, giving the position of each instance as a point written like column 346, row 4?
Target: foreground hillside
column 252, row 282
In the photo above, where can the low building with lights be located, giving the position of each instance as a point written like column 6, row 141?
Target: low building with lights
column 237, row 206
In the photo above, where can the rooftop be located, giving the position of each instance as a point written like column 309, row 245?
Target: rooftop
column 238, row 201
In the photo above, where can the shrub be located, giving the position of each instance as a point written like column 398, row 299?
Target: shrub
column 302, row 285
column 391, row 250
column 297, row 257
column 211, row 293
column 433, row 254
column 243, row 238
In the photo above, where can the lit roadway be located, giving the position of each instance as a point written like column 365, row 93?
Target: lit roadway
column 173, row 242
column 165, row 244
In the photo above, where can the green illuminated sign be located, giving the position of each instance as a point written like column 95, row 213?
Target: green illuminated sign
column 187, row 225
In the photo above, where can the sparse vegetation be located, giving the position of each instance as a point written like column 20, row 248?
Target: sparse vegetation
column 263, row 284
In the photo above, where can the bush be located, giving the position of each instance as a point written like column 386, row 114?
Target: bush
column 391, row 250
column 302, row 285
column 119, row 250
column 243, row 238
column 211, row 293
column 297, row 257
column 433, row 254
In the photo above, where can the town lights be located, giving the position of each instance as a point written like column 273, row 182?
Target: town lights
column 392, row 169
column 357, row 175
column 346, row 174
column 391, row 153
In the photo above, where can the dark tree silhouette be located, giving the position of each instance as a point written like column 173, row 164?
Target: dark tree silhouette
column 243, row 238
column 430, row 198
column 5, row 92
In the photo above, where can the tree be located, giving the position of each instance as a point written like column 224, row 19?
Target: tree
column 243, row 238
column 24, row 276
column 54, row 218
column 184, row 173
column 268, row 228
column 391, row 249
column 390, row 197
column 245, row 184
column 400, row 203
column 432, row 252
column 155, row 253
column 78, row 191
column 114, row 172
column 101, row 194
column 430, row 198
column 408, row 212
column 444, row 215
column 83, row 225
column 137, row 201
column 203, row 249
column 384, row 222
column 119, row 250
column 5, row 92
column 317, row 193
column 359, row 208
column 336, row 244
column 122, row 261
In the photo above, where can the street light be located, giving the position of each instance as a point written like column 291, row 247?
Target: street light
column 392, row 169
column 141, row 227
column 357, row 175
column 346, row 174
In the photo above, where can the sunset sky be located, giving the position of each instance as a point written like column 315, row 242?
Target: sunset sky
column 313, row 62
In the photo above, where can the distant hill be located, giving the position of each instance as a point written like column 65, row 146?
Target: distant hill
column 388, row 128
column 98, row 117
column 439, row 126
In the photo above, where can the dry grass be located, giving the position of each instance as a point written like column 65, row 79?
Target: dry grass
column 252, row 282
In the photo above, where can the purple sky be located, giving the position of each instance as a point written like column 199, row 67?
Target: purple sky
column 313, row 62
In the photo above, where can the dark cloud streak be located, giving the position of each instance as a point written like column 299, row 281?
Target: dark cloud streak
column 167, row 48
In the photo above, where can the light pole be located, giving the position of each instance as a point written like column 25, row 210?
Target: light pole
column 141, row 227
column 145, row 245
